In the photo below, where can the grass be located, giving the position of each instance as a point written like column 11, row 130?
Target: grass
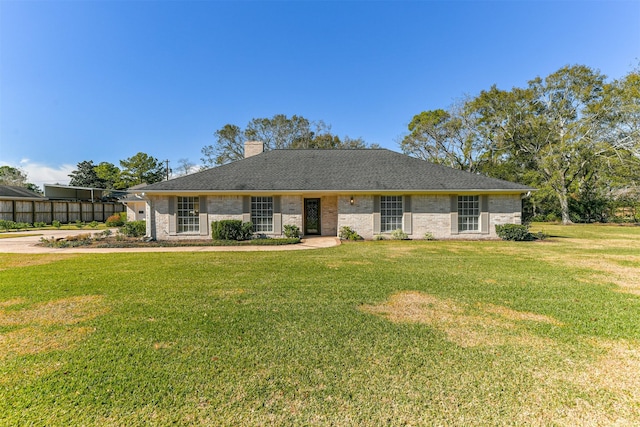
column 367, row 333
column 10, row 236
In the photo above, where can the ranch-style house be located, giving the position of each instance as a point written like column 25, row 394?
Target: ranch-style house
column 373, row 191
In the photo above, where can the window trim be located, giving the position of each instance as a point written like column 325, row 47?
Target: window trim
column 189, row 223
column 391, row 213
column 469, row 211
column 261, row 211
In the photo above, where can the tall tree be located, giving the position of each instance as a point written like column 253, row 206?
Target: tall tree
column 141, row 169
column 110, row 175
column 278, row 132
column 551, row 129
column 185, row 166
column 623, row 113
column 85, row 176
column 229, row 146
column 570, row 134
column 445, row 137
column 12, row 176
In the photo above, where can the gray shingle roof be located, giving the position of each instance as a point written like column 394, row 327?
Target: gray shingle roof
column 332, row 170
column 11, row 191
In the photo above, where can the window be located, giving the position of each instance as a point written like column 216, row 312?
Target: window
column 188, row 214
column 468, row 213
column 262, row 214
column 390, row 213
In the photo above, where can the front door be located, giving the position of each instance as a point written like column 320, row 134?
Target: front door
column 311, row 216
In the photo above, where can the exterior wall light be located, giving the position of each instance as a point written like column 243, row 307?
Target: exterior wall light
column 351, row 201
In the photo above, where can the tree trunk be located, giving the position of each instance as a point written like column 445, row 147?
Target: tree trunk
column 564, row 208
column 564, row 202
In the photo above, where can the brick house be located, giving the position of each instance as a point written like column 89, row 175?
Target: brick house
column 373, row 191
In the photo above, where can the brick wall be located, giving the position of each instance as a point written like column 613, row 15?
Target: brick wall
column 358, row 216
column 292, row 211
column 329, row 215
column 429, row 214
column 224, row 207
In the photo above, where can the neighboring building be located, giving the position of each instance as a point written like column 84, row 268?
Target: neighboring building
column 71, row 193
column 373, row 191
column 12, row 192
column 135, row 203
column 65, row 204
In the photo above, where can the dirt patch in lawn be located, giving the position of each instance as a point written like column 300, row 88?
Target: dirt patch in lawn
column 48, row 326
column 28, row 261
column 33, row 340
column 607, row 269
column 463, row 324
column 610, row 386
column 607, row 376
column 336, row 265
column 10, row 302
column 67, row 311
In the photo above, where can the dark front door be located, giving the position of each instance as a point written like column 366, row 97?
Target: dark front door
column 311, row 216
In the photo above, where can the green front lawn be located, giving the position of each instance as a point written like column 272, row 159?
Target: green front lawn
column 367, row 333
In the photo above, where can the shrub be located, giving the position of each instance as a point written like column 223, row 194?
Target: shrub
column 7, row 225
column 231, row 229
column 114, row 221
column 347, row 233
column 38, row 224
column 378, row 237
column 398, row 234
column 94, row 224
column 56, row 223
column 429, row 236
column 107, row 233
column 69, row 241
column 516, row 232
column 134, row 228
column 292, row 231
column 79, row 223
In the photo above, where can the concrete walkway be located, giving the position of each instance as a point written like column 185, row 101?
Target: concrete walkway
column 28, row 244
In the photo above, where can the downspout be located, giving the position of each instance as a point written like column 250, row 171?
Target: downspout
column 522, row 199
column 150, row 233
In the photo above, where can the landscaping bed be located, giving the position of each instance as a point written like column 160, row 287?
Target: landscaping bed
column 100, row 240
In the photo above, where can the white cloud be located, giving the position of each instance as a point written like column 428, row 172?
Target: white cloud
column 40, row 174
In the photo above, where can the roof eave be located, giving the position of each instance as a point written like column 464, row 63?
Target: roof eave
column 336, row 192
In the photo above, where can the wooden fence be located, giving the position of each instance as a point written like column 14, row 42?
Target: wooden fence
column 63, row 211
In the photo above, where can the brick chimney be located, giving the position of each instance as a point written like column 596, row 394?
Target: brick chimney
column 251, row 148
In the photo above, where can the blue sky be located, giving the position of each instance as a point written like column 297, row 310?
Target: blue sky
column 103, row 80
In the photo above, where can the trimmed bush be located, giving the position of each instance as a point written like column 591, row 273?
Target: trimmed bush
column 7, row 225
column 291, row 231
column 347, row 233
column 398, row 234
column 134, row 228
column 114, row 221
column 231, row 229
column 514, row 232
